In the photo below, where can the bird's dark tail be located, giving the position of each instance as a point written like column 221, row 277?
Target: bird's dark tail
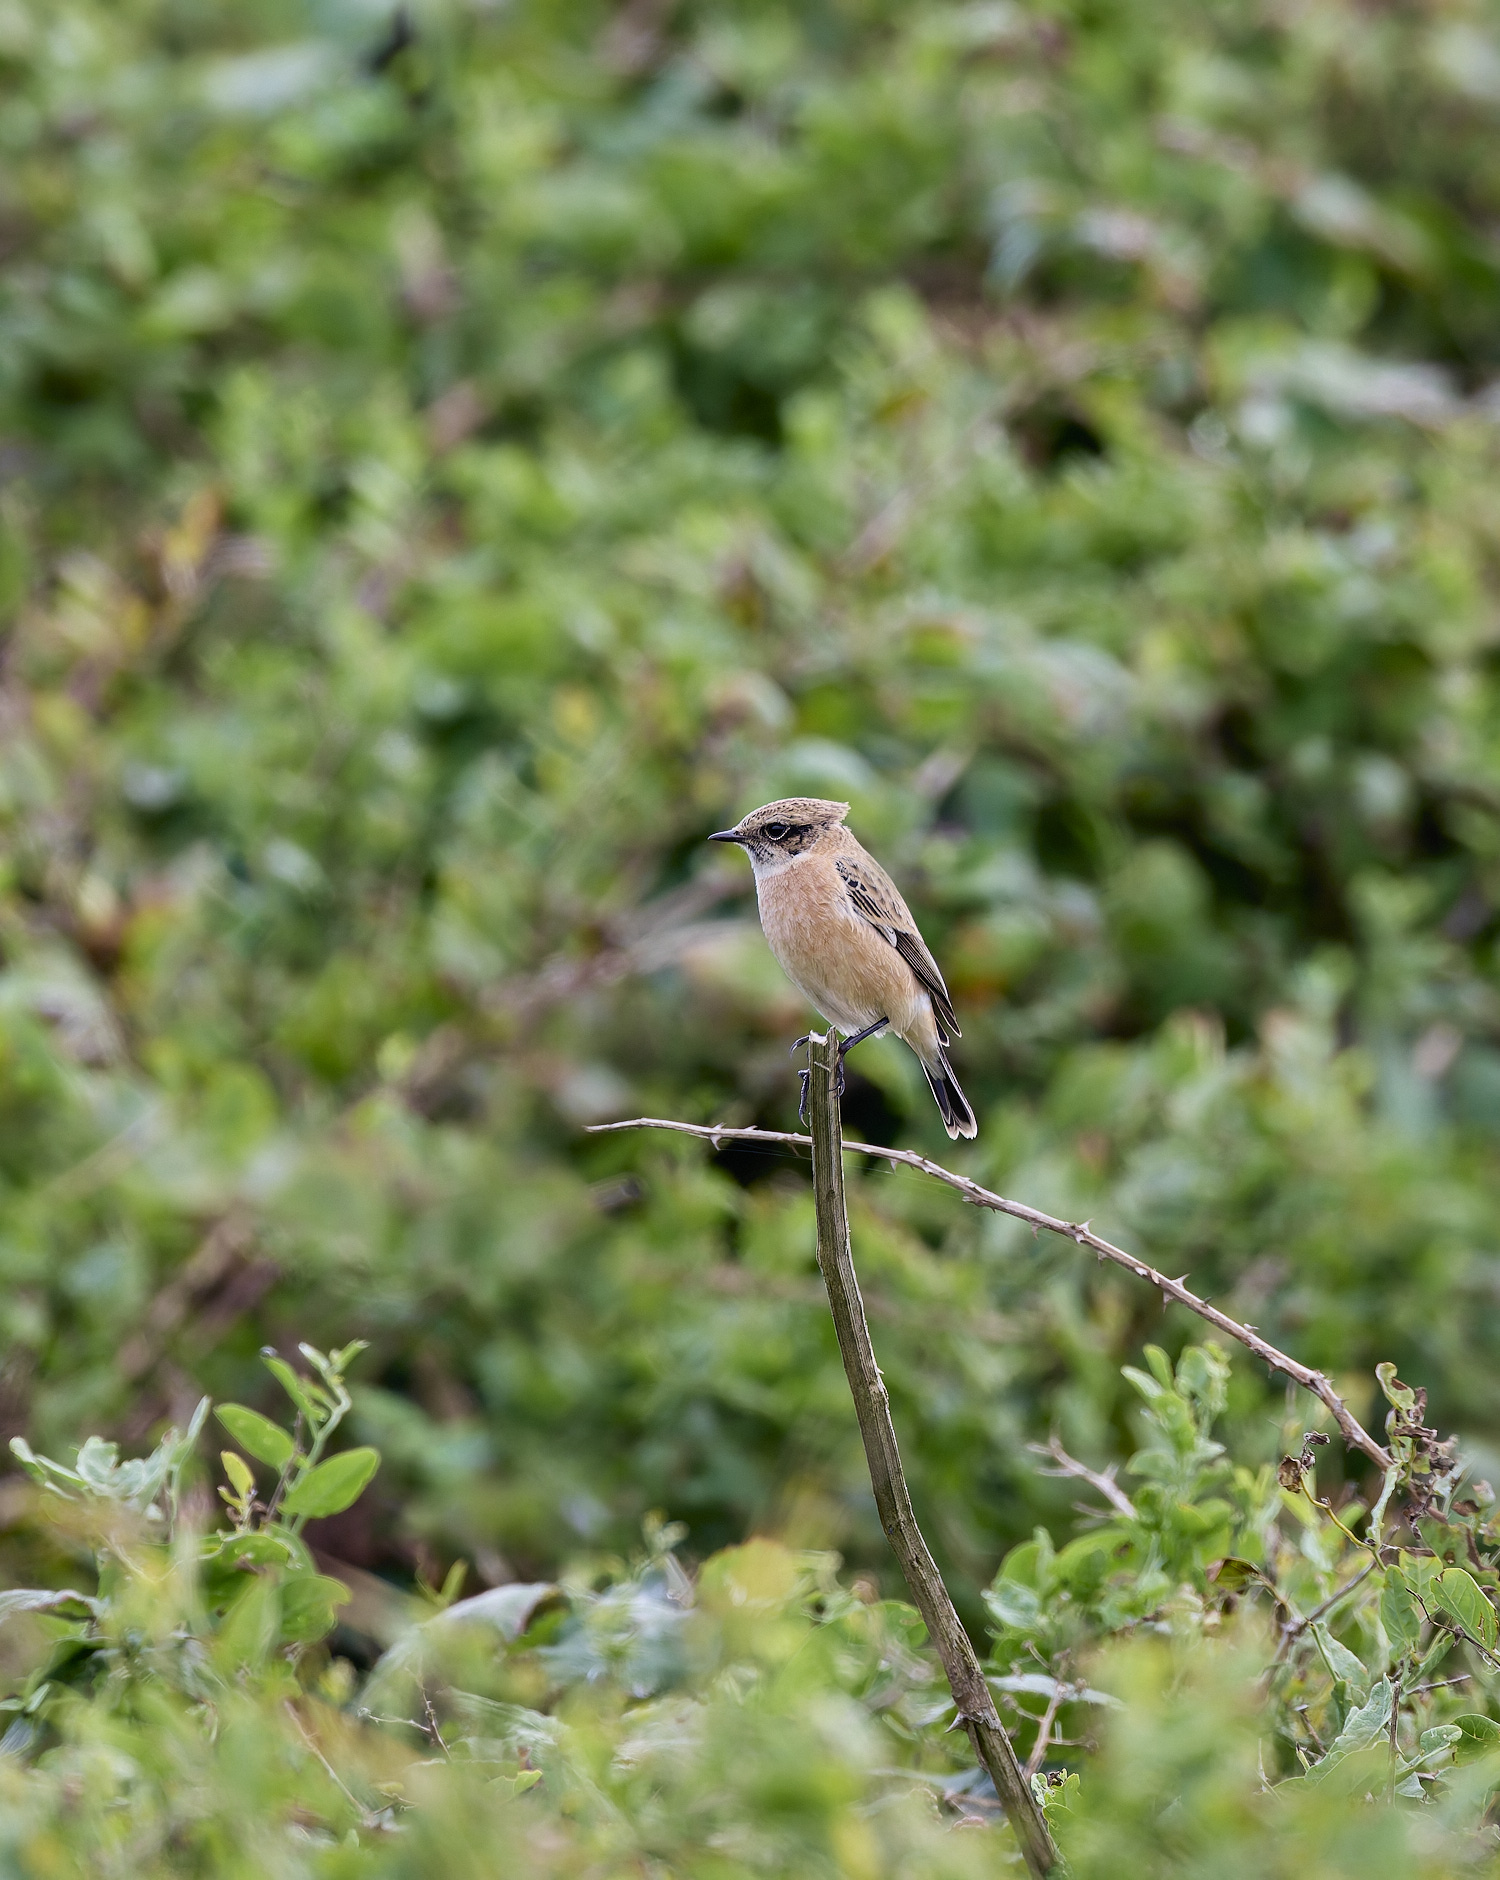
column 958, row 1118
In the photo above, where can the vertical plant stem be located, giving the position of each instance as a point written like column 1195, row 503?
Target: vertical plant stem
column 976, row 1705
column 1395, row 1738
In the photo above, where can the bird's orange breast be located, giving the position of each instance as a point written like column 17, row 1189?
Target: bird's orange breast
column 851, row 973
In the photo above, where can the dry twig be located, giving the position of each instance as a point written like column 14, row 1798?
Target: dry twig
column 1044, row 1728
column 971, row 1693
column 1070, row 1466
column 223, row 1249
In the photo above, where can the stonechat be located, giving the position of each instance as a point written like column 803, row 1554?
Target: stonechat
column 845, row 938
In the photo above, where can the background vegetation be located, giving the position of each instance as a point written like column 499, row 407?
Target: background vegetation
column 453, row 458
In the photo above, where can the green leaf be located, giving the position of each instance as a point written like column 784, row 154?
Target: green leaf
column 1388, row 1487
column 1233, row 1575
column 1161, row 1366
column 43, row 1469
column 1083, row 1563
column 38, row 1599
column 97, row 1464
column 1480, row 1736
column 267, row 1441
column 1399, row 1614
column 1459, row 1595
column 319, row 1361
column 309, row 1606
column 250, row 1627
column 1438, row 1648
column 1362, row 1726
column 1015, row 1606
column 1030, row 1563
column 1449, row 1543
column 333, row 1485
column 509, row 1609
column 1151, row 1388
column 1420, row 1571
column 256, row 1550
column 1343, row 1666
column 453, row 1584
column 293, row 1385
column 1397, row 1393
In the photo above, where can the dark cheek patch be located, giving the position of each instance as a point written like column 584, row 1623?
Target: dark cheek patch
column 765, row 849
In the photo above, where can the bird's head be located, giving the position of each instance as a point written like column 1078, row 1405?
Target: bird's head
column 779, row 832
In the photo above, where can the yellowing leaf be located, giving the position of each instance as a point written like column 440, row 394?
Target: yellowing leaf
column 238, row 1470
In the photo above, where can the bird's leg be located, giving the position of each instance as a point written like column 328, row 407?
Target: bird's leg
column 848, row 1045
column 860, row 1036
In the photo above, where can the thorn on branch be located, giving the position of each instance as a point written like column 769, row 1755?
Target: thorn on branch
column 1353, row 1433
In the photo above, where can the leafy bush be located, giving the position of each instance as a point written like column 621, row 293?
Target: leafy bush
column 1192, row 1708
column 453, row 456
column 187, row 1717
column 526, row 439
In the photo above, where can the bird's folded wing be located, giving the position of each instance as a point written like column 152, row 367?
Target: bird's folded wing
column 878, row 900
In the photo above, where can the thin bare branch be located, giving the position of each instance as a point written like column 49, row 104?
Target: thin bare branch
column 1354, row 1434
column 1071, row 1466
column 366, row 1819
column 1334, row 1597
column 227, row 1242
column 1044, row 1729
column 1296, row 1624
column 642, row 940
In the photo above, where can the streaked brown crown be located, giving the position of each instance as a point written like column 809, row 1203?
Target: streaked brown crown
column 788, row 826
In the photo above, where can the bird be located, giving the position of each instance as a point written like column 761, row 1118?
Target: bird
column 846, row 939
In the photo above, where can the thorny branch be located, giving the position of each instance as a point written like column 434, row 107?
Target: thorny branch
column 1354, row 1434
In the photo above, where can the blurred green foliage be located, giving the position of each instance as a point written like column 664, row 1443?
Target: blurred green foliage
column 454, row 457
column 1235, row 1713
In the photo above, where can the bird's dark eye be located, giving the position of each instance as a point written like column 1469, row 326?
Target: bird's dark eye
column 775, row 831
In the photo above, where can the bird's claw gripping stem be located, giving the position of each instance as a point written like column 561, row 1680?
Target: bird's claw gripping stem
column 846, row 1045
column 804, row 1078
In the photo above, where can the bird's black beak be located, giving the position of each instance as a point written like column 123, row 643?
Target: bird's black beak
column 726, row 835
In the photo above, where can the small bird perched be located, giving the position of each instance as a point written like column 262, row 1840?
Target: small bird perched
column 845, row 938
